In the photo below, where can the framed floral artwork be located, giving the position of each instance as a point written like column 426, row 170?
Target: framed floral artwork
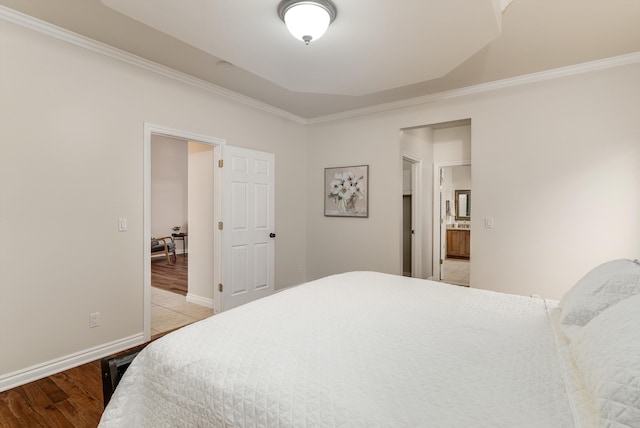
column 346, row 191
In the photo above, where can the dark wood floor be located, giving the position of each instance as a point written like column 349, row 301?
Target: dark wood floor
column 170, row 276
column 72, row 398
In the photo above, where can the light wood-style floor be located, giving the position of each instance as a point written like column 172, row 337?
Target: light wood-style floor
column 73, row 398
column 172, row 276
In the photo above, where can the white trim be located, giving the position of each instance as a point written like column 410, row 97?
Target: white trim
column 39, row 371
column 51, row 30
column 150, row 129
column 59, row 33
column 199, row 300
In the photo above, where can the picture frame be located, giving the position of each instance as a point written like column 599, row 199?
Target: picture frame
column 346, row 191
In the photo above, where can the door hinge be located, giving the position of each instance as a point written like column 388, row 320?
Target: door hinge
column 220, row 287
column 441, row 262
column 220, row 225
column 220, row 163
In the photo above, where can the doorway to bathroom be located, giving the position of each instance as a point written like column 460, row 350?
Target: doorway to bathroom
column 424, row 151
column 452, row 199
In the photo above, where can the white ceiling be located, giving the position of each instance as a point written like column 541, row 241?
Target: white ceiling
column 377, row 51
column 381, row 52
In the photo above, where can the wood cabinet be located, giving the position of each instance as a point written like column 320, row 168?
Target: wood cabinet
column 458, row 244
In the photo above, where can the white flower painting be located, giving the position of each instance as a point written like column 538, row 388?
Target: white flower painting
column 346, row 191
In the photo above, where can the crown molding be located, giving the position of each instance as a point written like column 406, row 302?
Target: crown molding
column 571, row 70
column 51, row 30
column 54, row 31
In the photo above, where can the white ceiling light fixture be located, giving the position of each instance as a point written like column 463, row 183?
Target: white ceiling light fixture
column 307, row 20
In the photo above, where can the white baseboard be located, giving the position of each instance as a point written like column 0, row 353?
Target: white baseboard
column 199, row 300
column 287, row 287
column 39, row 371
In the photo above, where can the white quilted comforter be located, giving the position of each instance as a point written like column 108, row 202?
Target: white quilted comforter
column 361, row 349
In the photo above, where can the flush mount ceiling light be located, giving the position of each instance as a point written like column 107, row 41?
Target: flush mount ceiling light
column 307, row 20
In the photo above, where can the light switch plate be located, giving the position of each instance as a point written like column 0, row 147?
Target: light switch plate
column 488, row 222
column 122, row 225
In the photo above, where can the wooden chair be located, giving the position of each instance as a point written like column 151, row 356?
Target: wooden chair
column 165, row 245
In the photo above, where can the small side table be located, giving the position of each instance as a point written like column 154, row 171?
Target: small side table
column 183, row 237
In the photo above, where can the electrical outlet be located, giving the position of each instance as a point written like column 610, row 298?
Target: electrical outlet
column 94, row 320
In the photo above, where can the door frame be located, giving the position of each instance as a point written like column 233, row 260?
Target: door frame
column 438, row 219
column 217, row 143
column 416, row 215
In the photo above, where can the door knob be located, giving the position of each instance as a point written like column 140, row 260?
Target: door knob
column 272, row 235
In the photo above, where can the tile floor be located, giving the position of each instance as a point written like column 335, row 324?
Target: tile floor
column 171, row 310
column 455, row 271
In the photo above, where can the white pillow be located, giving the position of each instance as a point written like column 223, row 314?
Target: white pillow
column 599, row 289
column 606, row 353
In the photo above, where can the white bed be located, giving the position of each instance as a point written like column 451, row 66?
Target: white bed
column 365, row 349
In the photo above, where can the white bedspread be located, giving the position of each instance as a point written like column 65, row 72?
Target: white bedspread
column 360, row 349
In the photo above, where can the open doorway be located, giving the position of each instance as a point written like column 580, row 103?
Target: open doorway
column 425, row 149
column 194, row 186
column 407, row 225
column 452, row 199
column 182, row 194
column 169, row 213
column 412, row 216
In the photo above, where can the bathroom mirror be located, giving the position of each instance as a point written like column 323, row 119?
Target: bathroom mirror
column 463, row 204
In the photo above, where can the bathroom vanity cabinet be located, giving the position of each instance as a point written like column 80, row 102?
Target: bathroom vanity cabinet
column 458, row 244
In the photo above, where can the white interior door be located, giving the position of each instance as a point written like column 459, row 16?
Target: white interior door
column 248, row 225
